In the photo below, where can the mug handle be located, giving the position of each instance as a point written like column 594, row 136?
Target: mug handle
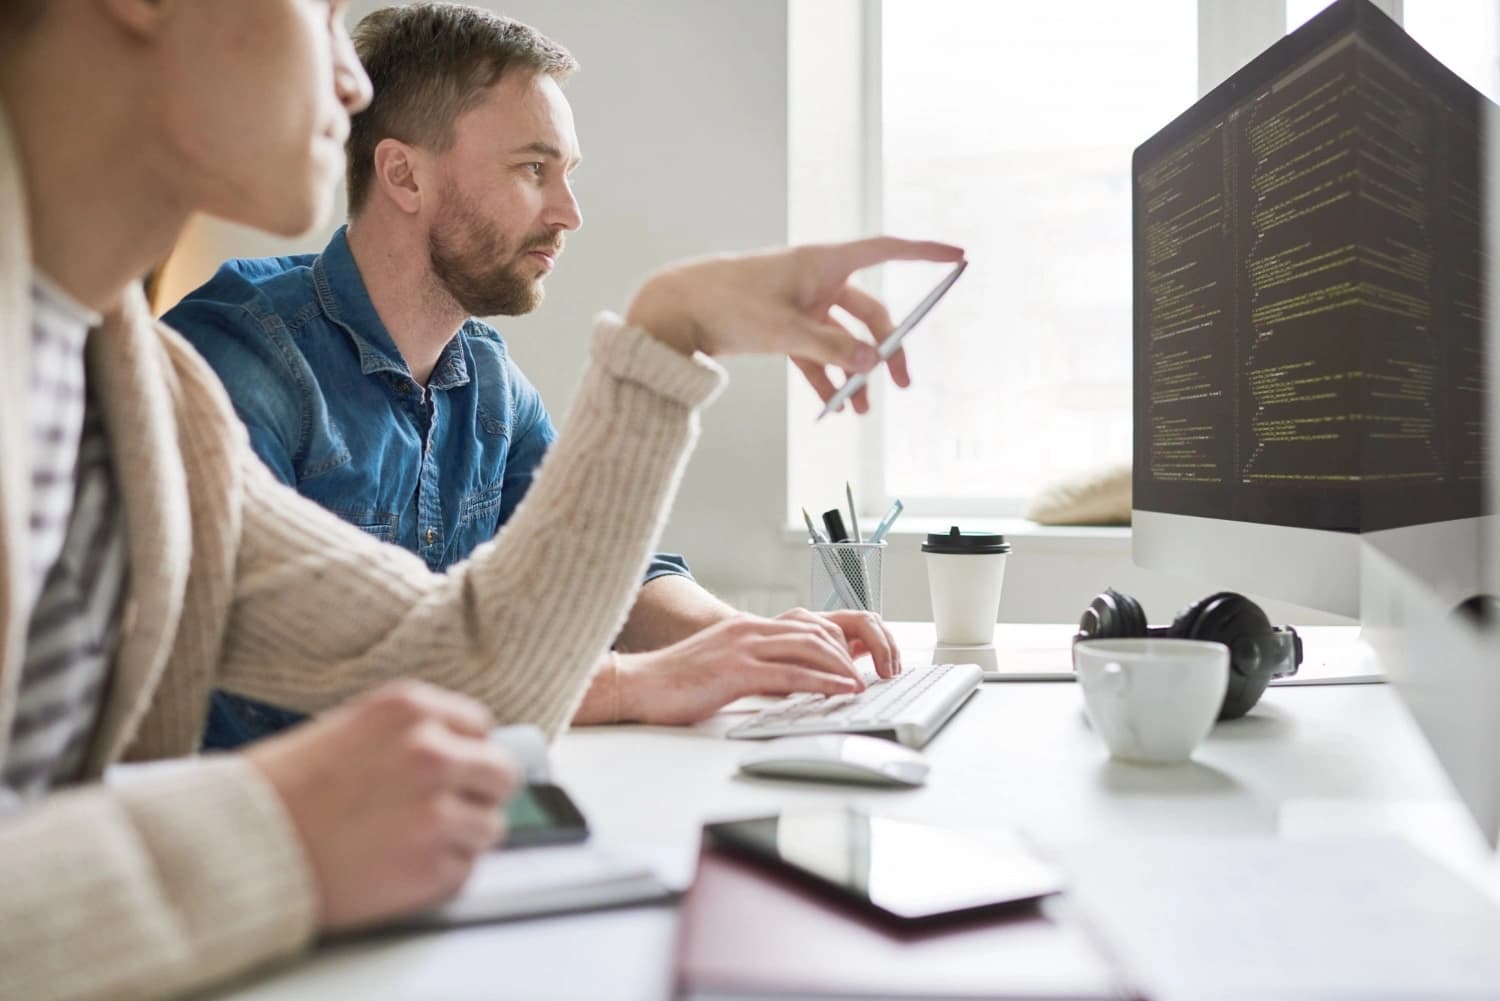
column 1114, row 679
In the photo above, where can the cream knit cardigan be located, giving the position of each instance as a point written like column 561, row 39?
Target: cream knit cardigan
column 194, row 875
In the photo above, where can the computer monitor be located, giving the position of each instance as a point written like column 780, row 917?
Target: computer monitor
column 1309, row 335
column 1313, row 415
column 1446, row 663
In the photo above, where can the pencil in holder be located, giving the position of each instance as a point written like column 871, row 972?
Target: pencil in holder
column 846, row 575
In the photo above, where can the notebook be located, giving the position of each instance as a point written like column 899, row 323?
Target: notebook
column 550, row 880
column 540, row 880
column 748, row 932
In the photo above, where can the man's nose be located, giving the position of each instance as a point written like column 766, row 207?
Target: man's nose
column 565, row 213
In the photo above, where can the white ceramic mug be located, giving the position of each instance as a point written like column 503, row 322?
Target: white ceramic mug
column 1152, row 700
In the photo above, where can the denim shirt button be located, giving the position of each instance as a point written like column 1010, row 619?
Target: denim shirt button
column 431, row 536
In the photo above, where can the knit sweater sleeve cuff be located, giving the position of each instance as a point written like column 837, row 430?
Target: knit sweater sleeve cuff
column 632, row 355
column 229, row 858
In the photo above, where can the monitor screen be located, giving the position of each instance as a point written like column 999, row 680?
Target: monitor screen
column 1312, row 378
column 1308, row 290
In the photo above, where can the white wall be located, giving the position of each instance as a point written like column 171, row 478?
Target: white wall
column 682, row 110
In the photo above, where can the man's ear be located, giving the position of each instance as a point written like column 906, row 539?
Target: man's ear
column 142, row 18
column 397, row 174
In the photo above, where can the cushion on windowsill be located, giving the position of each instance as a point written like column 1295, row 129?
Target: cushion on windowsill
column 1092, row 497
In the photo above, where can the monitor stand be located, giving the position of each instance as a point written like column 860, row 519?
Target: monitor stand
column 1046, row 657
column 1335, row 655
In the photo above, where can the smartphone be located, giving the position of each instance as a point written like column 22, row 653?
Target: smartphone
column 890, row 344
column 905, row 872
column 542, row 814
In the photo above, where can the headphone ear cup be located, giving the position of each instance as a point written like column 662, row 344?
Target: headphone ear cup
column 1135, row 615
column 1111, row 615
column 1240, row 624
column 1185, row 625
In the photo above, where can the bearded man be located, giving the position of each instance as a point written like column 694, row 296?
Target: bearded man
column 369, row 385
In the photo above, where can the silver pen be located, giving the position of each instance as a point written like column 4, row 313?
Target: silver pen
column 812, row 530
column 888, row 346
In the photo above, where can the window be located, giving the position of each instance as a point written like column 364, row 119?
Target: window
column 1463, row 34
column 1008, row 128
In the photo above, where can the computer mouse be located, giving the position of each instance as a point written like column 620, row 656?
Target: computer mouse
column 838, row 757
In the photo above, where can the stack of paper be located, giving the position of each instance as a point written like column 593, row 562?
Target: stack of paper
column 1267, row 918
column 553, row 880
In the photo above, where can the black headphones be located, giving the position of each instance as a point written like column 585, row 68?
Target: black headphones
column 1258, row 651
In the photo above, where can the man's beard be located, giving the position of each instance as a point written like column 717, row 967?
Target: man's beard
column 475, row 265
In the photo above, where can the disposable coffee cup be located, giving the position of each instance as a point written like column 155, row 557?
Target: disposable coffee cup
column 965, row 571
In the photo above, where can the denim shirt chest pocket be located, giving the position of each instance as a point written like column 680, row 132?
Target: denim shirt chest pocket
column 332, row 479
column 328, row 473
column 480, row 507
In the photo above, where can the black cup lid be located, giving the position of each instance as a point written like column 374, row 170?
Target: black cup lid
column 955, row 541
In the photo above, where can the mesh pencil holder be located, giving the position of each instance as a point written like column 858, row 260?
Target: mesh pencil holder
column 846, row 575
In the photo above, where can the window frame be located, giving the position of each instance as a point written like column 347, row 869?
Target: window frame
column 1230, row 34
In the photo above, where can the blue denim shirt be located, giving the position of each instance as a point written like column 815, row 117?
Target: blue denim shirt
column 334, row 411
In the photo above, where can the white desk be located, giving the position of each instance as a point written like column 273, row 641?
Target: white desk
column 1017, row 753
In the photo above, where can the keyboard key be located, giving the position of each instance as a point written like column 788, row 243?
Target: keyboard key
column 911, row 706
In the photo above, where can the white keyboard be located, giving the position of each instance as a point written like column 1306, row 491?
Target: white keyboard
column 908, row 708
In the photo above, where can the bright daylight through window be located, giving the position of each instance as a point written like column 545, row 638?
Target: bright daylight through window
column 1463, row 34
column 1008, row 128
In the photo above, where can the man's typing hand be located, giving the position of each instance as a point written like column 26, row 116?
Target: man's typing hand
column 862, row 632
column 798, row 651
column 394, row 795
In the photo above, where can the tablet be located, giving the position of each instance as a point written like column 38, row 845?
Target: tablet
column 902, row 871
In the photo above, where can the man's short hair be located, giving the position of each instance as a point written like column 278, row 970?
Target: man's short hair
column 429, row 63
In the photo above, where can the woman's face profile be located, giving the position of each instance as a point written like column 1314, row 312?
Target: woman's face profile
column 257, row 96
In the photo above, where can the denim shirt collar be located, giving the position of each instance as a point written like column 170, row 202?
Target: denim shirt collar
column 346, row 303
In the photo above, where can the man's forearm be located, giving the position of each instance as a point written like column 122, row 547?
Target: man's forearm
column 668, row 609
column 601, row 702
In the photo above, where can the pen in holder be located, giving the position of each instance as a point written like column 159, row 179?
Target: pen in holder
column 846, row 575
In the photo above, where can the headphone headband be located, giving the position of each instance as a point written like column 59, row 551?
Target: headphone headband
column 1258, row 651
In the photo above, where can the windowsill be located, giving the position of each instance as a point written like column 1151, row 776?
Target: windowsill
column 1023, row 533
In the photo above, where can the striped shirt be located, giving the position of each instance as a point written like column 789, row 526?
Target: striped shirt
column 76, row 575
